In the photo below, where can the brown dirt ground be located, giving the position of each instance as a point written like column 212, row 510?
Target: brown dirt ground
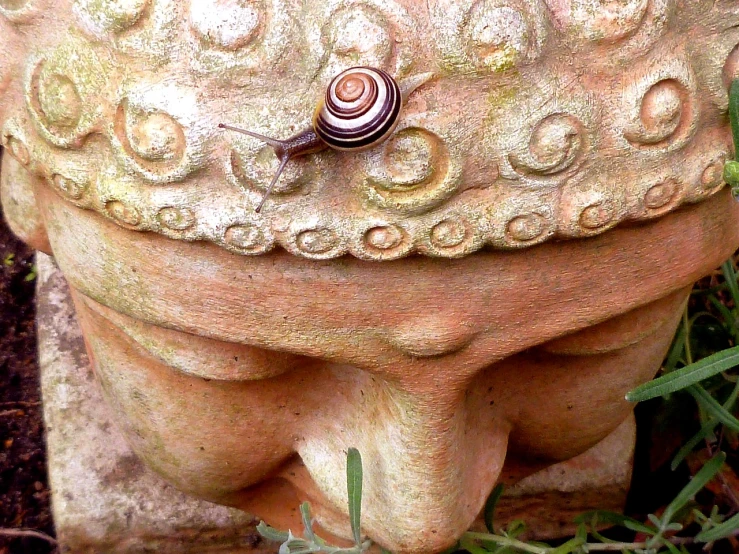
column 24, row 491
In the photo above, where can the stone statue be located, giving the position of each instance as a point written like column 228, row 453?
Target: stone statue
column 466, row 302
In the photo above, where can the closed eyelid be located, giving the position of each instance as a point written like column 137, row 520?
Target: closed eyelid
column 197, row 355
column 621, row 331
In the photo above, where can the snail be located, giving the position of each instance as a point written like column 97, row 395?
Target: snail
column 361, row 109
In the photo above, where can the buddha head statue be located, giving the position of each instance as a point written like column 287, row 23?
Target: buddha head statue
column 465, row 299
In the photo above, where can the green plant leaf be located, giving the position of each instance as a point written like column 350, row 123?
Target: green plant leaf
column 640, row 528
column 686, row 376
column 471, row 547
column 270, row 533
column 354, row 488
column 734, row 114
column 656, row 521
column 594, row 517
column 713, row 408
column 676, row 350
column 706, row 473
column 671, row 547
column 307, row 521
column 725, row 529
column 515, row 528
column 705, row 431
column 730, row 276
column 296, row 545
column 723, row 310
column 731, row 175
column 582, row 533
column 490, row 505
column 569, row 546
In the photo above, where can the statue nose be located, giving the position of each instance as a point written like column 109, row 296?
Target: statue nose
column 428, row 468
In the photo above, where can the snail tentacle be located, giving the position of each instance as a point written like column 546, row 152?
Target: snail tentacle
column 303, row 143
column 269, row 140
column 283, row 163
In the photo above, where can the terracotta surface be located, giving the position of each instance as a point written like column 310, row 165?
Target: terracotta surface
column 532, row 128
column 105, row 500
column 243, row 353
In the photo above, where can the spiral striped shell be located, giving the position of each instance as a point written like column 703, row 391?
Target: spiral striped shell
column 361, row 108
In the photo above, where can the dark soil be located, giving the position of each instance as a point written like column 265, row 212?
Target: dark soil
column 24, row 490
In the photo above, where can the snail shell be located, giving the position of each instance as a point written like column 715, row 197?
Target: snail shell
column 360, row 109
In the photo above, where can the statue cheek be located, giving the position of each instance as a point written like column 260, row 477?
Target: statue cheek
column 576, row 384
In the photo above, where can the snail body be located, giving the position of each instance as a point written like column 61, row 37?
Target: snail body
column 361, row 109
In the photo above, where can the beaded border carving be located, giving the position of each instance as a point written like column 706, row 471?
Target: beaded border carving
column 546, row 118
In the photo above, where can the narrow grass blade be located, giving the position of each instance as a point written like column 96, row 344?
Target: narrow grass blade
column 713, row 408
column 728, row 527
column 354, row 488
column 730, row 276
column 706, row 473
column 490, row 505
column 734, row 115
column 705, row 431
column 724, row 311
column 676, row 350
column 686, row 376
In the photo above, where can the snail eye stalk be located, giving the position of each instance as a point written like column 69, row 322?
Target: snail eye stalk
column 303, row 143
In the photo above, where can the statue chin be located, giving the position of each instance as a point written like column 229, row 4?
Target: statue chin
column 466, row 303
